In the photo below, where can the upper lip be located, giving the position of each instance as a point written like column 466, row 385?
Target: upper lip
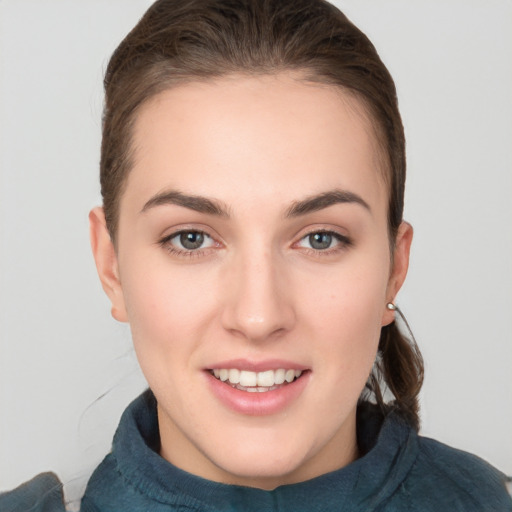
column 257, row 366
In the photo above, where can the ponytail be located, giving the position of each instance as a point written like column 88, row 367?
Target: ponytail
column 399, row 370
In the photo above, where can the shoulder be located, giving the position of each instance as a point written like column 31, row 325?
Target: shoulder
column 41, row 494
column 424, row 474
column 457, row 479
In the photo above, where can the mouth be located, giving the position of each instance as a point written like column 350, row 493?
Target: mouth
column 258, row 388
column 256, row 382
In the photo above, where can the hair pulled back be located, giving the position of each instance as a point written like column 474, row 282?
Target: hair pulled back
column 180, row 41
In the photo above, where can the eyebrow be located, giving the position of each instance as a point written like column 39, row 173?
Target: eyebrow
column 192, row 202
column 324, row 200
column 213, row 207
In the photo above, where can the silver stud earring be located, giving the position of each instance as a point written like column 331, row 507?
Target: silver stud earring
column 391, row 306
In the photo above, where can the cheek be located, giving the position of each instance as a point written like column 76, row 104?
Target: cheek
column 168, row 309
column 351, row 294
column 347, row 317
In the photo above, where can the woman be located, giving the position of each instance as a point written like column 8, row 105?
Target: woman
column 251, row 234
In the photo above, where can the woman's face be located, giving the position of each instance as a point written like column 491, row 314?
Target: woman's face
column 253, row 250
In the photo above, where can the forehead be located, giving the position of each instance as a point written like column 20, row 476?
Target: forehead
column 245, row 135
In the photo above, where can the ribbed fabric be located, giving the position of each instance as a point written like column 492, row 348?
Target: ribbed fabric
column 41, row 494
column 399, row 471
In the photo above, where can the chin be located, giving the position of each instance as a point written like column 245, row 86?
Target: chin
column 265, row 464
column 262, row 474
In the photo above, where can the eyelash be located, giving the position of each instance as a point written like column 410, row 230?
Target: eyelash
column 190, row 253
column 343, row 243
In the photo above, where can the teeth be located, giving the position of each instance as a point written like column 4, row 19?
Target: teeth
column 290, row 375
column 248, row 378
column 234, row 376
column 279, row 376
column 256, row 380
column 266, row 379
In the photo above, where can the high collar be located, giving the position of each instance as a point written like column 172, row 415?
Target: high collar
column 390, row 448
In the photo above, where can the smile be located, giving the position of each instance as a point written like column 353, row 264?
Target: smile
column 252, row 382
column 257, row 389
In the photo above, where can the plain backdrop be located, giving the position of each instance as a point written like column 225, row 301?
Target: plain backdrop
column 67, row 370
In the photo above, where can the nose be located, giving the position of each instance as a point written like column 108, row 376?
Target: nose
column 259, row 302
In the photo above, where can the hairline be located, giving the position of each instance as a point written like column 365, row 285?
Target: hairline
column 357, row 102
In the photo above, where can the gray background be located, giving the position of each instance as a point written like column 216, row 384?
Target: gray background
column 60, row 351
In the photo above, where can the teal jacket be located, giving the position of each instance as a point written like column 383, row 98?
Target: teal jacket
column 399, row 471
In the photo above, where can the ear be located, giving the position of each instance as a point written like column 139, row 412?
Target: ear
column 106, row 262
column 399, row 268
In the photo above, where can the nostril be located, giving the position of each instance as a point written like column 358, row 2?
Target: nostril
column 256, row 306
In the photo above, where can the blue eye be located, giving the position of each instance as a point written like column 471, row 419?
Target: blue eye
column 320, row 241
column 324, row 240
column 189, row 241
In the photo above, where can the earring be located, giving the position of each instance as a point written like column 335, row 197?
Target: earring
column 391, row 306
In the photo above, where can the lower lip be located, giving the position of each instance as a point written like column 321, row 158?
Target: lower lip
column 258, row 403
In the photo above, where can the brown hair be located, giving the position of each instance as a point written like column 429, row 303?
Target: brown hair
column 179, row 41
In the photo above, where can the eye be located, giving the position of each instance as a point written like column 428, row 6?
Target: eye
column 187, row 241
column 320, row 241
column 324, row 241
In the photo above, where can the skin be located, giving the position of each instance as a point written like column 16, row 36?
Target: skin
column 257, row 289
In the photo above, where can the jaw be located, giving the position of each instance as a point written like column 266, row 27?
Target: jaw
column 259, row 449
